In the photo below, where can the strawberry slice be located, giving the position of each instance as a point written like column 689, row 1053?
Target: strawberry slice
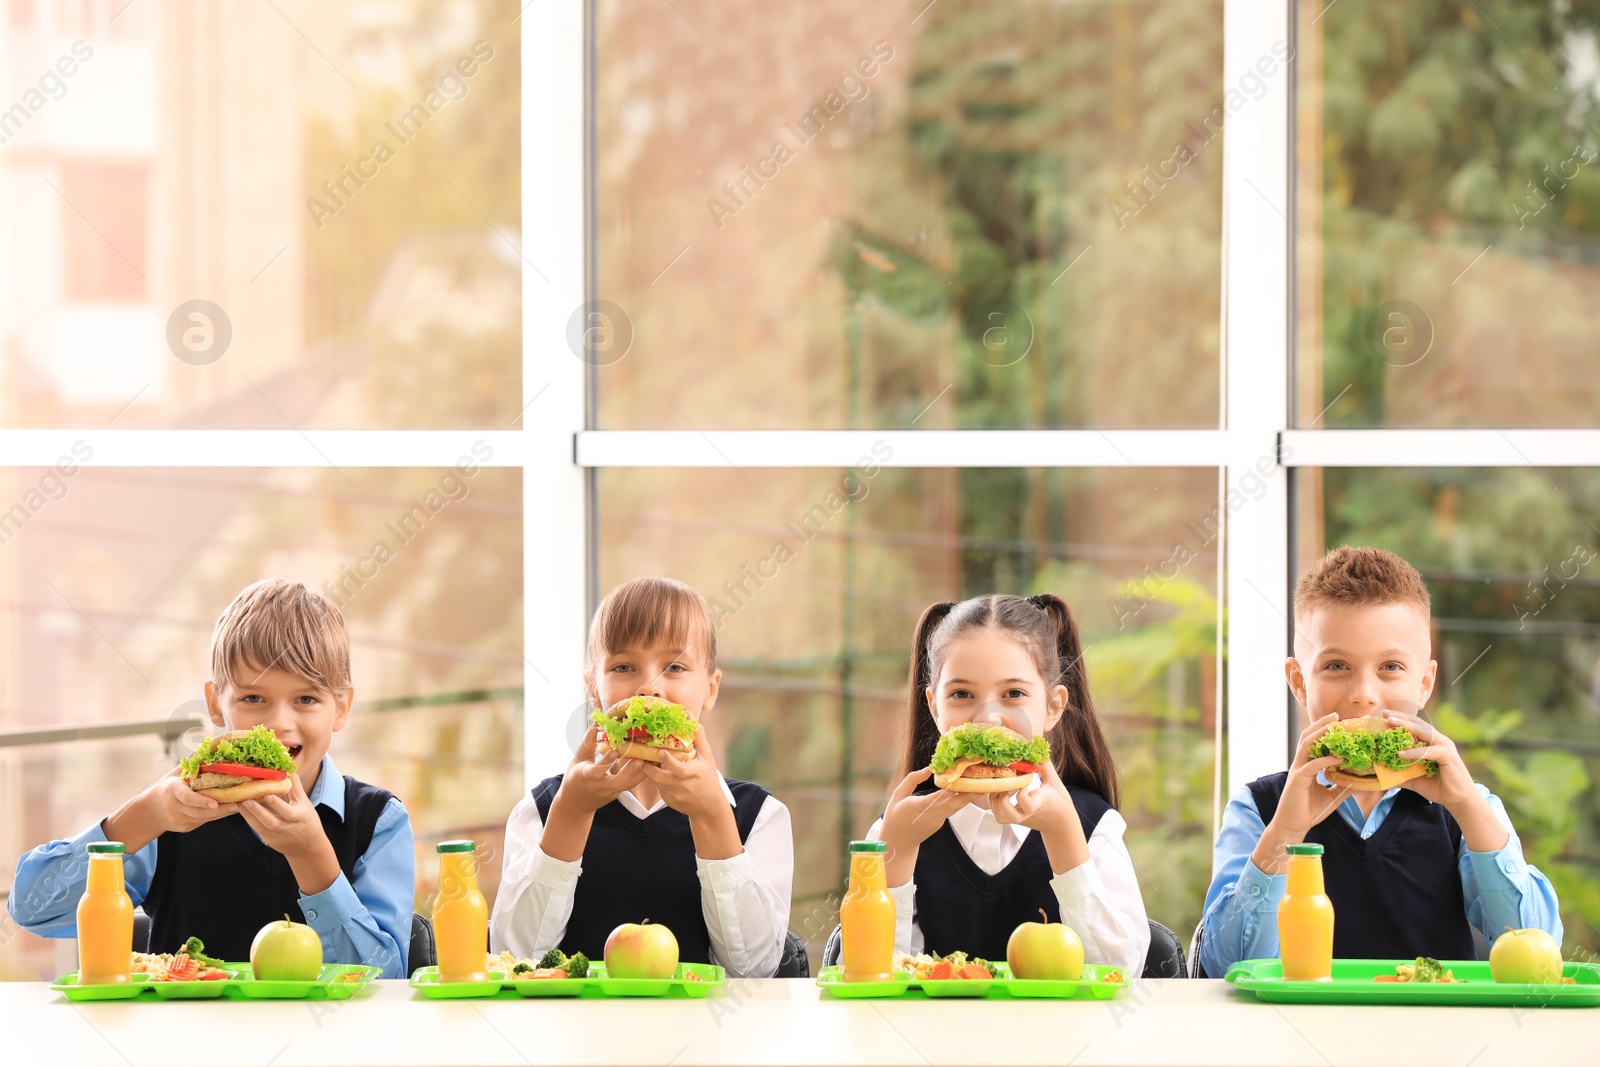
column 243, row 770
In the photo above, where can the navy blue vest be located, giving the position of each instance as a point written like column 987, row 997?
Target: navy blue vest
column 636, row 869
column 221, row 883
column 1397, row 894
column 961, row 908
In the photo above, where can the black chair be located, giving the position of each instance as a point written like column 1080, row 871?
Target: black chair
column 1163, row 960
column 796, row 963
column 1165, row 956
column 423, row 952
column 833, row 951
column 141, row 931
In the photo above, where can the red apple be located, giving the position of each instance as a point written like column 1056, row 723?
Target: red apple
column 1045, row 950
column 1525, row 956
column 286, row 952
column 639, row 950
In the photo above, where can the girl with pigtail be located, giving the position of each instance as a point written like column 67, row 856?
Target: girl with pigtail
column 965, row 868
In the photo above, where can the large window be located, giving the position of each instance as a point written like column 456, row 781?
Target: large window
column 678, row 276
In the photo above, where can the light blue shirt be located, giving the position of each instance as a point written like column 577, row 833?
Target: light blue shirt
column 362, row 919
column 1499, row 889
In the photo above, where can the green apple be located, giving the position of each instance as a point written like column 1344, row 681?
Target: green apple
column 1045, row 950
column 286, row 952
column 1525, row 956
column 639, row 950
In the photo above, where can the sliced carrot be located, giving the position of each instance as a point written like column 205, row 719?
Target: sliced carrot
column 182, row 968
column 973, row 971
column 1386, row 978
column 941, row 971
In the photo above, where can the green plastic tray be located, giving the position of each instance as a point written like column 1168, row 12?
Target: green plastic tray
column 1352, row 983
column 426, row 981
column 1003, row 985
column 328, row 984
column 239, row 985
column 708, row 976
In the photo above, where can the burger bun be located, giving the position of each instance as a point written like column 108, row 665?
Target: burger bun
column 1004, row 784
column 243, row 789
column 635, row 750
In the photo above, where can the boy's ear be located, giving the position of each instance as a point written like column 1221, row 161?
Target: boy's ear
column 1429, row 677
column 1296, row 678
column 341, row 708
column 711, row 694
column 214, row 706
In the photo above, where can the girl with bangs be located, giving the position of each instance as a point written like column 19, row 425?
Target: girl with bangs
column 966, row 868
column 618, row 839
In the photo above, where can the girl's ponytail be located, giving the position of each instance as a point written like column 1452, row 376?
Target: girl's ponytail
column 922, row 732
column 1082, row 756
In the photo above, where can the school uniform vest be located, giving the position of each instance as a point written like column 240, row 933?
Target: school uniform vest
column 963, row 908
column 221, row 883
column 636, row 869
column 1396, row 894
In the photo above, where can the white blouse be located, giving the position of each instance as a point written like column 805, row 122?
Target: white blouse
column 745, row 899
column 1099, row 899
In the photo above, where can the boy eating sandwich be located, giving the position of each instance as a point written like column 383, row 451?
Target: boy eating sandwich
column 1418, row 859
column 208, row 855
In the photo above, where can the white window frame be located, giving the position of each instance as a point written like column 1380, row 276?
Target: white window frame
column 559, row 453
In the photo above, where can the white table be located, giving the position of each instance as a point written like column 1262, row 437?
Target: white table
column 783, row 1022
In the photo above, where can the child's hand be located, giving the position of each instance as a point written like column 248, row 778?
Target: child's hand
column 288, row 824
column 693, row 786
column 1453, row 787
column 167, row 804
column 590, row 784
column 1305, row 801
column 1049, row 810
column 910, row 820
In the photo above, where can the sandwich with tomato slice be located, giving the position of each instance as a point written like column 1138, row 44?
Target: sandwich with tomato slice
column 1371, row 751
column 240, row 765
column 648, row 728
column 977, row 758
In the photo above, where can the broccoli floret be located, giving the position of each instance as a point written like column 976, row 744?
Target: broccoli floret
column 577, row 965
column 1427, row 970
column 521, row 968
column 555, row 958
column 986, row 965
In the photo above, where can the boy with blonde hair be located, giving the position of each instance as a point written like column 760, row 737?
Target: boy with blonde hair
column 1429, row 867
column 334, row 853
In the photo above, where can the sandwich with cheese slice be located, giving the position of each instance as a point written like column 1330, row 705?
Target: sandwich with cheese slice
column 975, row 758
column 1371, row 751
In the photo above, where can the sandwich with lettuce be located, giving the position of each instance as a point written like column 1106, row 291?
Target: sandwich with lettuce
column 1371, row 749
column 240, row 765
column 648, row 728
column 975, row 758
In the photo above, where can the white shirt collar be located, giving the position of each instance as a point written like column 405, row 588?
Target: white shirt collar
column 971, row 821
column 637, row 809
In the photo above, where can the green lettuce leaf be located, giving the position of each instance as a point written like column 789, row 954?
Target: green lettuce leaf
column 258, row 748
column 991, row 744
column 659, row 718
column 1361, row 748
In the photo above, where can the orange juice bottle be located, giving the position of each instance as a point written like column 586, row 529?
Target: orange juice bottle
column 1305, row 919
column 867, row 917
column 460, row 916
column 105, row 919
